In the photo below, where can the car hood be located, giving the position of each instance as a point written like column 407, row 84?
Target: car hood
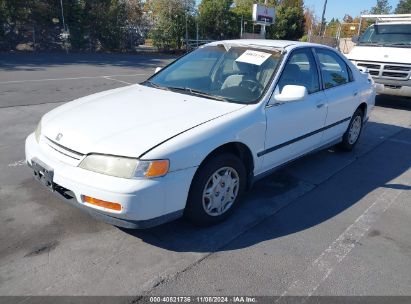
column 128, row 121
column 380, row 54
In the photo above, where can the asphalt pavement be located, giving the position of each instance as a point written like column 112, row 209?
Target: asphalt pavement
column 329, row 224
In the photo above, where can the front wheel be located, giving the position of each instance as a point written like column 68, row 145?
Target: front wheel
column 216, row 189
column 351, row 136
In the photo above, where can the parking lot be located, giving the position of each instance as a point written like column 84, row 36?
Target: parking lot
column 331, row 223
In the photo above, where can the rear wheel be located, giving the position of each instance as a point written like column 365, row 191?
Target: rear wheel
column 216, row 189
column 351, row 136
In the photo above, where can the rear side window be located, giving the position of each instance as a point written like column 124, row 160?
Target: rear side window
column 334, row 70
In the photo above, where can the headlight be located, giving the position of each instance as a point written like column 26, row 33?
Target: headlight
column 125, row 167
column 37, row 132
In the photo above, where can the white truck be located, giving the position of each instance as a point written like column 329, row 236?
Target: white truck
column 385, row 50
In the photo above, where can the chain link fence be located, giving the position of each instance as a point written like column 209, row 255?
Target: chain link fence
column 27, row 37
column 338, row 36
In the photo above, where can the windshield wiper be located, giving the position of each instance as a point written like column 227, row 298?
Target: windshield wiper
column 185, row 89
column 369, row 44
column 198, row 93
column 398, row 44
column 152, row 84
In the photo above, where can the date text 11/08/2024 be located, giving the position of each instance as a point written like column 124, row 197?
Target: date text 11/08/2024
column 202, row 299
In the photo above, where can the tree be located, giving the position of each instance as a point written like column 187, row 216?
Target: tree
column 106, row 24
column 403, row 7
column 290, row 22
column 382, row 7
column 310, row 23
column 170, row 21
column 332, row 27
column 217, row 20
column 26, row 22
column 91, row 23
column 76, row 18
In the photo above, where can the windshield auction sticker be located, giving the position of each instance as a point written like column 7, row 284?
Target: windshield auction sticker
column 253, row 57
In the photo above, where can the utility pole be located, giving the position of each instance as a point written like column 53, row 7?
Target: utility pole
column 311, row 29
column 62, row 15
column 186, row 33
column 262, row 33
column 197, row 30
column 323, row 19
column 241, row 28
column 359, row 27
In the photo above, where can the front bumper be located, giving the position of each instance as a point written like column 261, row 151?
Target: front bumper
column 393, row 87
column 145, row 202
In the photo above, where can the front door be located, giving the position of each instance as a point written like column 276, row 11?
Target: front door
column 295, row 128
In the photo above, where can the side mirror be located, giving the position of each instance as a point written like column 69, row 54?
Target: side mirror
column 291, row 93
column 355, row 38
column 158, row 69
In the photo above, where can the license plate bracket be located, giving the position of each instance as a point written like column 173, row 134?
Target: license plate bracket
column 43, row 173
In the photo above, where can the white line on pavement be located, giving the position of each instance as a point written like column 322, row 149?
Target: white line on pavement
column 18, row 163
column 125, row 82
column 324, row 265
column 70, row 78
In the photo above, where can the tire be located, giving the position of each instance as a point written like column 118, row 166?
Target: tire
column 351, row 136
column 212, row 199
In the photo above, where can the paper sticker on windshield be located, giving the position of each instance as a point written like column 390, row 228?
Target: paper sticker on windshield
column 253, row 57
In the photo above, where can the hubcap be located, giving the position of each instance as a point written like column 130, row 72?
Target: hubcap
column 355, row 130
column 220, row 191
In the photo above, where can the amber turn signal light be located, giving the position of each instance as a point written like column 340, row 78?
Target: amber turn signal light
column 158, row 168
column 101, row 203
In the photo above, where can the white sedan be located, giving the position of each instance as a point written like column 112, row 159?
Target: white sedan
column 193, row 137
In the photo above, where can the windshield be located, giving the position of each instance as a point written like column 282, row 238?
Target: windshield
column 387, row 35
column 235, row 74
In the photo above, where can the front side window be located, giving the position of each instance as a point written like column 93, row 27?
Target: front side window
column 334, row 70
column 228, row 73
column 300, row 69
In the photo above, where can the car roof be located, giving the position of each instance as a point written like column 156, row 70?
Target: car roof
column 281, row 44
column 393, row 23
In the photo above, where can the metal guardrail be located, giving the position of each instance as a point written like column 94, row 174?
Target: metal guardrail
column 194, row 43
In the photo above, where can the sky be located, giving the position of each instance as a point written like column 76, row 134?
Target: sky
column 338, row 8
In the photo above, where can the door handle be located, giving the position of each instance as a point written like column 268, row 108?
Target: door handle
column 355, row 93
column 320, row 105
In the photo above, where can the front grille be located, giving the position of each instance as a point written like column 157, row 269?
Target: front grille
column 395, row 74
column 388, row 71
column 370, row 66
column 60, row 152
column 398, row 68
column 394, row 87
column 63, row 150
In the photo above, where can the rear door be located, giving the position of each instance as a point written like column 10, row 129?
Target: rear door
column 340, row 90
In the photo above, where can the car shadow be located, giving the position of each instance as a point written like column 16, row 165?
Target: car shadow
column 285, row 203
column 40, row 61
column 394, row 102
